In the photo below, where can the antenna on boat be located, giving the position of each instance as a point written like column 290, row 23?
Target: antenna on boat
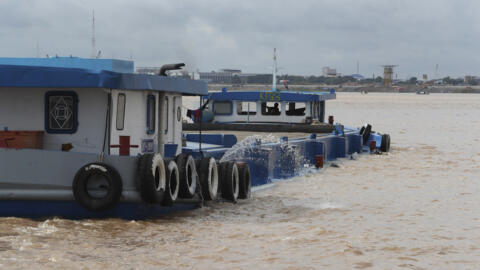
column 94, row 51
column 274, row 79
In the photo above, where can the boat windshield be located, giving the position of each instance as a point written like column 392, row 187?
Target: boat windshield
column 296, row 108
column 246, row 108
column 271, row 108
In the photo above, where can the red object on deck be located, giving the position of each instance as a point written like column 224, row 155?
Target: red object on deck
column 124, row 145
column 330, row 119
column 196, row 118
column 319, row 161
column 21, row 139
column 373, row 146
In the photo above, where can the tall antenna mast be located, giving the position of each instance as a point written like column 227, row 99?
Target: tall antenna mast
column 94, row 51
column 274, row 79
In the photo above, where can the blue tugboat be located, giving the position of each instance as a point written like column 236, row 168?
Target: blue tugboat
column 94, row 143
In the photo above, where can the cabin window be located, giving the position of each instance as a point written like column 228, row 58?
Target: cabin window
column 151, row 114
column 296, row 108
column 61, row 112
column 271, row 108
column 246, row 108
column 121, row 99
column 222, row 107
column 166, row 115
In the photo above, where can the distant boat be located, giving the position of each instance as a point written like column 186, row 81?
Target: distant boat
column 423, row 92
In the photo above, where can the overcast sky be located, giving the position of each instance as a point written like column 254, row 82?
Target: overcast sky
column 213, row 34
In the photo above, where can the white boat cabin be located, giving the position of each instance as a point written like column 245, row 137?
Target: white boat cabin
column 266, row 107
column 86, row 111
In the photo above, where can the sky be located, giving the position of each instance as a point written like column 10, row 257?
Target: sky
column 213, row 34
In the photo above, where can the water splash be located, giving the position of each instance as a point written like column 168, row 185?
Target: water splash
column 271, row 152
column 242, row 149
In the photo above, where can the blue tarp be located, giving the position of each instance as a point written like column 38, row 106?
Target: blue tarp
column 46, row 77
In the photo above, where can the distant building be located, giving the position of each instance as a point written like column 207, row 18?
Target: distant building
column 234, row 76
column 231, row 70
column 222, row 76
column 329, row 72
column 472, row 80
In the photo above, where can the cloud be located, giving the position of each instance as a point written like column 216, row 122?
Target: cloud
column 213, row 34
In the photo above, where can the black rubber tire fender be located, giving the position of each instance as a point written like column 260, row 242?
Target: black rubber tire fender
column 245, row 190
column 81, row 183
column 151, row 178
column 221, row 167
column 365, row 132
column 187, row 174
column 172, row 183
column 230, row 181
column 208, row 176
column 385, row 145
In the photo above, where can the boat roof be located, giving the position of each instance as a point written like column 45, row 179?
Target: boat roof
column 273, row 96
column 58, row 77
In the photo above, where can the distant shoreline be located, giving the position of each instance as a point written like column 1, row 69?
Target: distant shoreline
column 351, row 88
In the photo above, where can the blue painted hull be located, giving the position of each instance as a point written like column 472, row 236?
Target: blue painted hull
column 272, row 161
column 268, row 162
column 73, row 210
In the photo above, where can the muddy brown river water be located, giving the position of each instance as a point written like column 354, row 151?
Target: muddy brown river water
column 414, row 208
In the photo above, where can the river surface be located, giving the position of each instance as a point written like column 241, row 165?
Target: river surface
column 414, row 208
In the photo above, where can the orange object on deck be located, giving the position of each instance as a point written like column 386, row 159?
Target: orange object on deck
column 373, row 146
column 21, row 139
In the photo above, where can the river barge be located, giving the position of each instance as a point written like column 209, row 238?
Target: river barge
column 305, row 139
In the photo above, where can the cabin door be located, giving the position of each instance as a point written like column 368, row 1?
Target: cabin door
column 134, row 124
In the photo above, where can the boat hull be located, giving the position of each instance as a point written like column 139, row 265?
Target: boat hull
column 73, row 210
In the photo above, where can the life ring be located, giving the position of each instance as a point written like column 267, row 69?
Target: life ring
column 208, row 176
column 97, row 186
column 172, row 183
column 244, row 191
column 187, row 174
column 151, row 178
column 385, row 145
column 365, row 132
column 230, row 181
